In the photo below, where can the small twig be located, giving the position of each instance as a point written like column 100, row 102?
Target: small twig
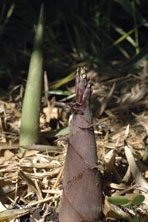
column 44, row 200
column 58, row 178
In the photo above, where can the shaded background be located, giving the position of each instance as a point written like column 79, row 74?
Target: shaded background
column 99, row 33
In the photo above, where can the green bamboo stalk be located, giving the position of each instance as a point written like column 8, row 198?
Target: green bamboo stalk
column 31, row 104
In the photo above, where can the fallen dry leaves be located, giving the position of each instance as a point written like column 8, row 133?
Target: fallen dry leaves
column 31, row 183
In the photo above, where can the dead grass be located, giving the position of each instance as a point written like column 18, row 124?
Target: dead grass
column 31, row 183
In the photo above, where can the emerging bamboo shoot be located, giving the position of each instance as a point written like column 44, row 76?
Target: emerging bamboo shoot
column 31, row 105
column 82, row 195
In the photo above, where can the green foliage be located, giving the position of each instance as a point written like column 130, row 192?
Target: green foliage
column 75, row 31
column 125, row 201
column 131, row 202
column 138, row 199
column 5, row 14
column 93, row 30
column 119, row 200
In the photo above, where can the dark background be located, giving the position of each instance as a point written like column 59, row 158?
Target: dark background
column 76, row 32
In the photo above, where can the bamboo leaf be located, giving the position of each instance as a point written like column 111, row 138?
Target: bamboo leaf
column 59, row 92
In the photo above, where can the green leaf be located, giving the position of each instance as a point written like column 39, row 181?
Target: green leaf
column 60, row 92
column 135, row 219
column 63, row 132
column 124, row 35
column 138, row 199
column 63, row 81
column 119, row 200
